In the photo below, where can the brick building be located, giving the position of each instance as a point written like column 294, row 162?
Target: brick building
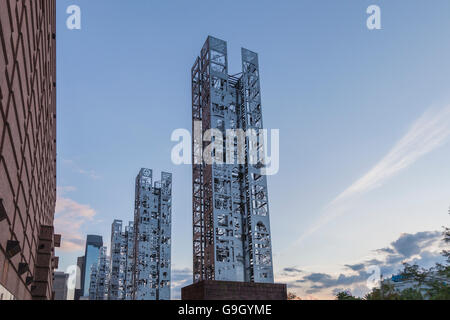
column 27, row 148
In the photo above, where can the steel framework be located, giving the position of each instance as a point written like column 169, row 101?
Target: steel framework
column 231, row 226
column 152, row 232
column 100, row 276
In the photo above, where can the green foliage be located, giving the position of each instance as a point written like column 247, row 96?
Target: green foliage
column 411, row 294
column 438, row 291
column 385, row 292
column 345, row 296
column 416, row 274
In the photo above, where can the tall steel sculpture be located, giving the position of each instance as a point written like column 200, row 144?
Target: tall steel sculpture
column 152, row 232
column 231, row 226
column 119, row 252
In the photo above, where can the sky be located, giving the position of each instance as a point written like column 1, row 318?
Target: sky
column 364, row 120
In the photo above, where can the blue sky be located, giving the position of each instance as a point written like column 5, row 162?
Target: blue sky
column 361, row 113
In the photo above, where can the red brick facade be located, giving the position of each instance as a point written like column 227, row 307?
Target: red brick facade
column 27, row 147
column 227, row 290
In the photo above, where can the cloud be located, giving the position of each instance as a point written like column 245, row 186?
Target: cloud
column 429, row 132
column 292, row 270
column 180, row 278
column 421, row 248
column 65, row 189
column 290, row 273
column 374, row 262
column 355, row 267
column 410, row 244
column 426, row 134
column 324, row 281
column 70, row 216
column 387, row 250
column 89, row 173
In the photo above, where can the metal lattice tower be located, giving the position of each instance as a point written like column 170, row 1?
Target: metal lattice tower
column 152, row 231
column 100, row 276
column 129, row 236
column 231, row 226
column 121, row 247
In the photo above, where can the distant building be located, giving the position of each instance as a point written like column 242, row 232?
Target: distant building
column 91, row 256
column 152, row 232
column 5, row 294
column 78, row 290
column 60, row 286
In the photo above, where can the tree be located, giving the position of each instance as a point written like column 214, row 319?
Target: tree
column 438, row 291
column 292, row 296
column 415, row 273
column 411, row 294
column 385, row 292
column 345, row 296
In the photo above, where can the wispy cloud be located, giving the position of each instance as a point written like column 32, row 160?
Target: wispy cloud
column 428, row 133
column 65, row 190
column 70, row 216
column 75, row 167
column 180, row 279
